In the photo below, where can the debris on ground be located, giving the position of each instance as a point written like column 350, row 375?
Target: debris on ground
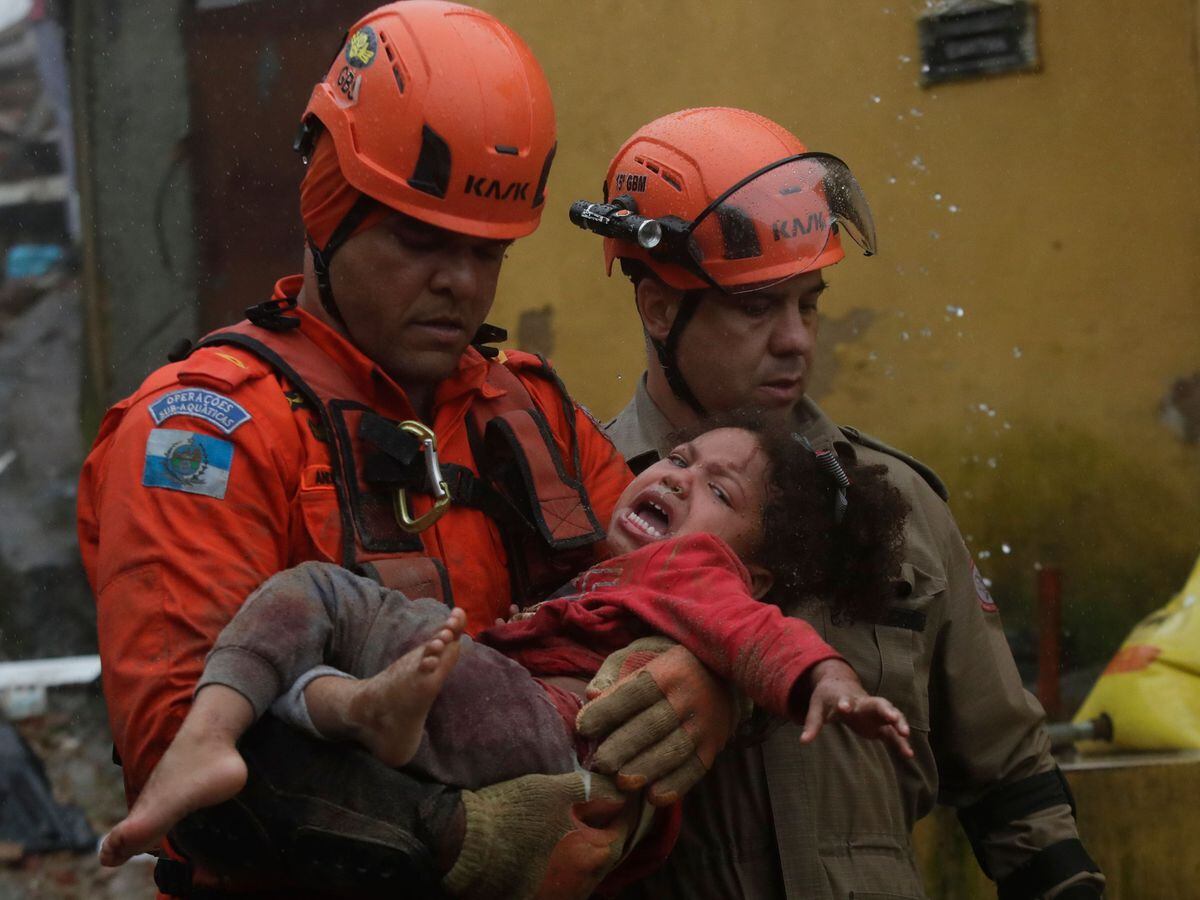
column 73, row 744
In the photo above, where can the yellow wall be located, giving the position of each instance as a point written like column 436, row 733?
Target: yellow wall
column 1150, row 860
column 1066, row 230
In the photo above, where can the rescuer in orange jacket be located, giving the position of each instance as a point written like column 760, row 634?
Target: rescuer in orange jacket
column 358, row 417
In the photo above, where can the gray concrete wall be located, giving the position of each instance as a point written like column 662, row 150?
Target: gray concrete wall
column 132, row 72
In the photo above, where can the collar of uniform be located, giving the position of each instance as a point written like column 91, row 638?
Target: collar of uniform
column 643, row 427
column 376, row 384
column 821, row 430
column 471, row 376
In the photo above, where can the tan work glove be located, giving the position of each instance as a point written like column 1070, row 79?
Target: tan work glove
column 664, row 718
column 540, row 837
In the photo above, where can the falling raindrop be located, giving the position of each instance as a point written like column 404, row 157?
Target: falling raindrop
column 987, row 582
column 1005, row 549
column 1007, row 426
column 918, row 163
column 891, row 179
column 926, row 332
column 875, row 98
column 904, row 335
column 915, row 113
column 904, row 58
column 934, row 235
column 984, row 554
column 937, row 197
column 953, row 207
column 991, row 459
column 872, row 356
column 956, row 311
column 1017, row 354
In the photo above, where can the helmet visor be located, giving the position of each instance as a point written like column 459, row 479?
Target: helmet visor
column 778, row 222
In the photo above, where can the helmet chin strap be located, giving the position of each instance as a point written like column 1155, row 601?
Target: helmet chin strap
column 322, row 256
column 667, row 356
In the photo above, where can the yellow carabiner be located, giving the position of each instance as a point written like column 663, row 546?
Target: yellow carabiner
column 441, row 493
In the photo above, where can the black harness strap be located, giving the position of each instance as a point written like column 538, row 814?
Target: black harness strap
column 398, row 463
column 1051, row 866
column 345, row 511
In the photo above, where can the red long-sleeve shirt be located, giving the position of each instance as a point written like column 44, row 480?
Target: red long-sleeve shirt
column 692, row 589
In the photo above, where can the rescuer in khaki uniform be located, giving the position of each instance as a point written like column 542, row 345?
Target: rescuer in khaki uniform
column 723, row 221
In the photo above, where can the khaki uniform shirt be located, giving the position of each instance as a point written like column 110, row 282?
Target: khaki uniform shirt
column 833, row 819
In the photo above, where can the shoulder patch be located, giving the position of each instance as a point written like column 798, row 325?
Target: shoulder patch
column 199, row 403
column 187, row 461
column 981, row 590
column 931, row 477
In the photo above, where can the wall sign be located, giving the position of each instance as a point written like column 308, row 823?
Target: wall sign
column 972, row 38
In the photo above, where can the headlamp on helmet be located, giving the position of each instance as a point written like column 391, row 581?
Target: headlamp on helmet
column 771, row 225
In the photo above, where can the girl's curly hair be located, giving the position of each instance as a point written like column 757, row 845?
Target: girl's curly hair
column 850, row 562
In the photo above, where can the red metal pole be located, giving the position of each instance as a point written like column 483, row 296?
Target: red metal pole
column 1049, row 611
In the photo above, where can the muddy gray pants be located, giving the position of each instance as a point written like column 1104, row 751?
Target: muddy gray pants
column 491, row 722
column 329, row 818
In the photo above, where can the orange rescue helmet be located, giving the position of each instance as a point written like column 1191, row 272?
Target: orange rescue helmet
column 441, row 112
column 745, row 201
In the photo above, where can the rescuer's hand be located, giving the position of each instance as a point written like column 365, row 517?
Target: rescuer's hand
column 836, row 693
column 663, row 716
column 541, row 836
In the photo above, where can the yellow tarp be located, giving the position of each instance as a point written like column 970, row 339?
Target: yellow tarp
column 1151, row 689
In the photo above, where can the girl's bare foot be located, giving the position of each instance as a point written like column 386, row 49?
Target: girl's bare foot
column 202, row 767
column 386, row 713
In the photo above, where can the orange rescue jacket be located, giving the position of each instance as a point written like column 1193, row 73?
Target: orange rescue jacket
column 219, row 471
